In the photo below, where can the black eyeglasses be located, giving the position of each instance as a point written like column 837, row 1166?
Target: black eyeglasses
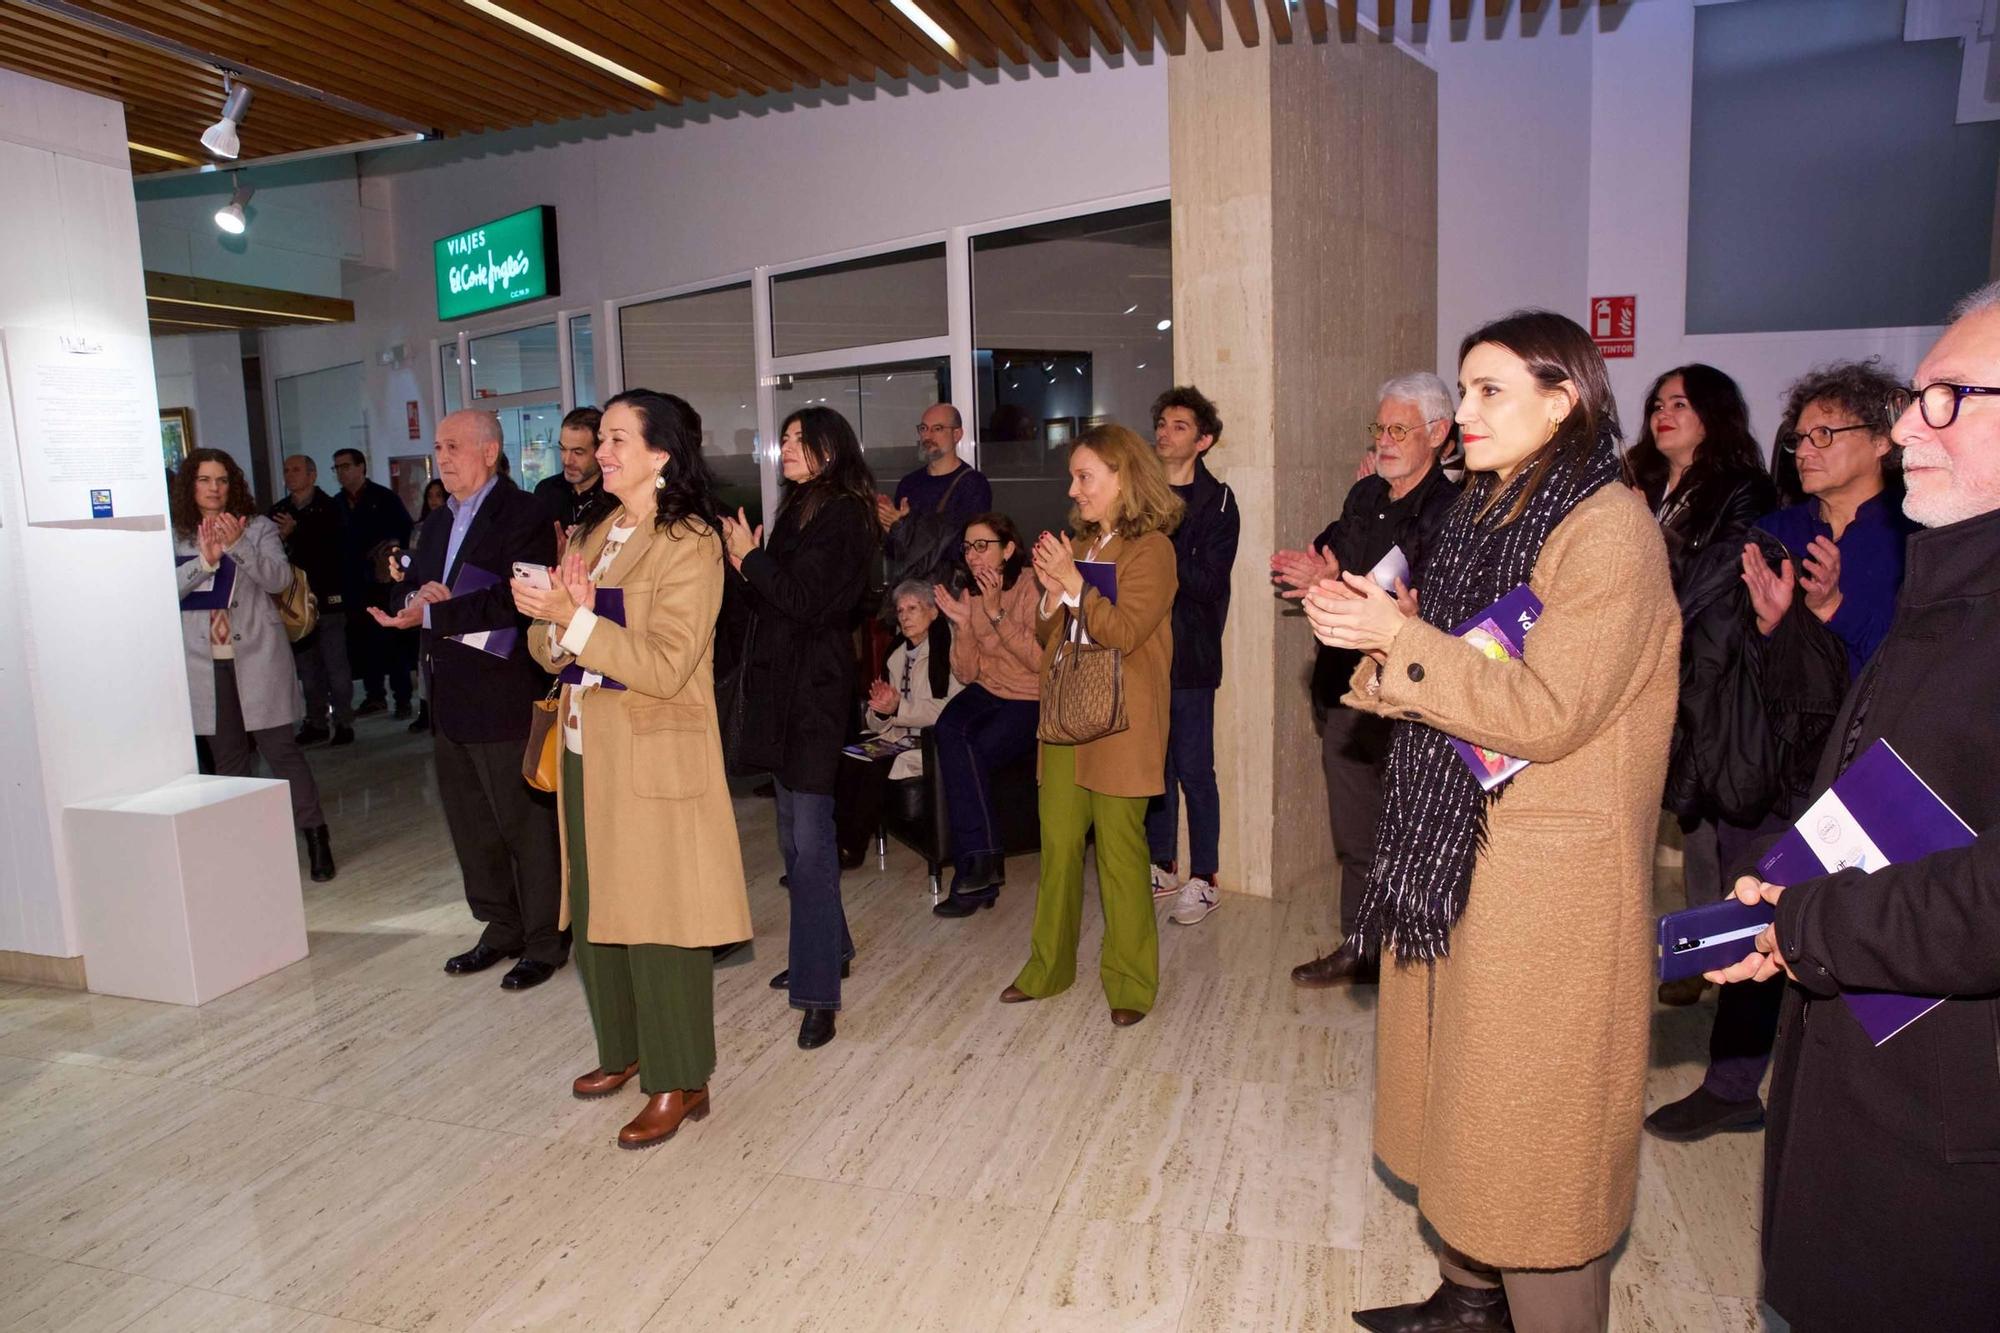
column 1938, row 401
column 979, row 545
column 1820, row 437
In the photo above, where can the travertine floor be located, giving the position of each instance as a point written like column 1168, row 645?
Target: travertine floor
column 362, row 1141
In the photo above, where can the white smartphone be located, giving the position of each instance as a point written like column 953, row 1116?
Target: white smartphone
column 535, row 576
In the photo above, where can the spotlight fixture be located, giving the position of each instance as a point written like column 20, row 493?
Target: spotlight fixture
column 1130, row 308
column 1164, row 325
column 220, row 139
column 230, row 217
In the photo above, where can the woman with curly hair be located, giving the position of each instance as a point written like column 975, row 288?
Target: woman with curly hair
column 653, row 874
column 243, row 687
column 1123, row 512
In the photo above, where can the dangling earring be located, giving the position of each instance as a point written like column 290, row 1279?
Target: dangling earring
column 660, row 482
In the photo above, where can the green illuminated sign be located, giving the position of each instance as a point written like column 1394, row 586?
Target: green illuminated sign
column 500, row 263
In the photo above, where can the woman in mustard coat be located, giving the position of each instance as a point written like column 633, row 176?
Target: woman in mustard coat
column 653, row 874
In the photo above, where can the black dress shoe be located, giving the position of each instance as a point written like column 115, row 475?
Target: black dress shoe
column 1451, row 1309
column 423, row 722
column 343, row 735
column 815, row 1029
column 987, row 870
column 1702, row 1113
column 527, row 974
column 958, row 904
column 1343, row 964
column 783, row 981
column 319, row 852
column 372, row 704
column 312, row 733
column 477, row 959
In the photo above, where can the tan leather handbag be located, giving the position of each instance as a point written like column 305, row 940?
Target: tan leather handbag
column 541, row 760
column 298, row 609
column 1084, row 699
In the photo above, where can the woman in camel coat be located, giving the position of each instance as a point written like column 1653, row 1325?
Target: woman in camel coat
column 1516, row 990
column 652, row 871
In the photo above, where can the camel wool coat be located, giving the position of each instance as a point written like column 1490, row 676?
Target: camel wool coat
column 665, row 864
column 1510, row 1075
column 1132, row 762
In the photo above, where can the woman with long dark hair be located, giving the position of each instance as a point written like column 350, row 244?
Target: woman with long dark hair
column 1697, row 464
column 1512, row 1033
column 243, row 686
column 653, row 874
column 794, row 698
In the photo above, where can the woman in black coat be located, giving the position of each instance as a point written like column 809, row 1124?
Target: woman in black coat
column 1703, row 477
column 793, row 694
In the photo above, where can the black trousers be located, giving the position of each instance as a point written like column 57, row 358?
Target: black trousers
column 231, row 746
column 1353, row 748
column 504, row 833
column 381, row 659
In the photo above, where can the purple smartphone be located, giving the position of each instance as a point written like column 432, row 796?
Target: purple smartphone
column 1703, row 939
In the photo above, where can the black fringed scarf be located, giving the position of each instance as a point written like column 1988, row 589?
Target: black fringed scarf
column 1433, row 821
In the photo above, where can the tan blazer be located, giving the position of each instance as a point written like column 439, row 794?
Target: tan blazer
column 1140, row 624
column 665, row 865
column 1511, row 1075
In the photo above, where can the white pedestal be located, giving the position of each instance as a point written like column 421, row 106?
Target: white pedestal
column 188, row 891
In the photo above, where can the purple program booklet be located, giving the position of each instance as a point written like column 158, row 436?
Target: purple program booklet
column 1101, row 575
column 212, row 593
column 1499, row 632
column 1877, row 813
column 610, row 606
column 499, row 642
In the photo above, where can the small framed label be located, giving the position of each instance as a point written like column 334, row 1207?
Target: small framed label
column 100, row 504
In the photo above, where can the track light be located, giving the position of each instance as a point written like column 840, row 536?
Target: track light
column 220, row 138
column 230, row 217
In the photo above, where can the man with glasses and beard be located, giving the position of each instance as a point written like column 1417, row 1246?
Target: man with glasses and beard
column 922, row 524
column 1882, row 1162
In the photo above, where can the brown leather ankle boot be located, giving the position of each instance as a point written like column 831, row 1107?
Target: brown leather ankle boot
column 661, row 1116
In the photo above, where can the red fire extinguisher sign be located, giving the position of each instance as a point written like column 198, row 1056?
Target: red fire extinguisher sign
column 1614, row 324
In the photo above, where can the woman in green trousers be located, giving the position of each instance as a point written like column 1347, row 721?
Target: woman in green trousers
column 1124, row 510
column 653, row 876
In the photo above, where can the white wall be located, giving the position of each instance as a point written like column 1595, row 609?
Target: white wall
column 93, row 691
column 204, row 372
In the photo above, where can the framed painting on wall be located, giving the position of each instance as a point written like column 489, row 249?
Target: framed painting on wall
column 176, row 435
column 1058, row 431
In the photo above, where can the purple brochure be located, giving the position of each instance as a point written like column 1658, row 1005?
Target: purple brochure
column 1101, row 575
column 1499, row 632
column 214, row 594
column 1877, row 813
column 610, row 606
column 499, row 642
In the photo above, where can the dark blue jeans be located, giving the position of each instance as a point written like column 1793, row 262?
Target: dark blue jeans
column 976, row 733
column 820, row 942
column 1190, row 770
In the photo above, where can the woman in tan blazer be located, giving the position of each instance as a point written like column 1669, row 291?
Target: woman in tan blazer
column 653, row 874
column 1511, row 1039
column 1124, row 511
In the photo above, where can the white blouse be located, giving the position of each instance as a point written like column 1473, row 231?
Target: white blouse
column 573, row 639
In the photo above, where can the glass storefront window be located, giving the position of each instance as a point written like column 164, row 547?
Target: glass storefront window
column 859, row 302
column 882, row 403
column 448, row 360
column 582, row 362
column 1072, row 327
column 701, row 346
column 530, row 439
column 320, row 412
column 518, row 361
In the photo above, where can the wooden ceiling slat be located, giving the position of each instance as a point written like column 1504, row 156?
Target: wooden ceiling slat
column 1172, row 16
column 1350, row 19
column 1315, row 12
column 1385, row 15
column 1496, row 9
column 1028, row 25
column 1135, row 21
column 829, row 67
column 1104, row 24
column 689, row 61
column 707, row 31
column 972, row 40
column 1278, row 12
column 585, row 24
column 1006, row 39
column 813, row 23
column 1420, row 11
column 890, row 26
column 1461, row 10
column 1244, row 12
column 1065, row 18
column 1207, row 22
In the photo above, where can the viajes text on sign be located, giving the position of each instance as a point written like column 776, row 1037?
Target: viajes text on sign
column 505, row 262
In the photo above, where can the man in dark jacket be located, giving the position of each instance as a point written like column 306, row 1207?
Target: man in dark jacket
column 309, row 521
column 1401, row 507
column 1186, row 426
column 483, row 689
column 580, row 481
column 1882, row 1163
column 372, row 521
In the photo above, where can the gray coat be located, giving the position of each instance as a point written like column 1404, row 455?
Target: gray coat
column 266, row 681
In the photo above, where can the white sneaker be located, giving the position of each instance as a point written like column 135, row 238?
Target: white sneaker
column 1197, row 899
column 1164, row 884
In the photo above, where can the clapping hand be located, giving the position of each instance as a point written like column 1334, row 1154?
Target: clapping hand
column 216, row 535
column 1354, row 612
column 882, row 698
column 570, row 589
column 412, row 614
column 1770, row 590
column 992, row 586
column 955, row 607
column 1822, row 578
column 1768, row 960
column 287, row 524
column 1296, row 571
column 888, row 512
column 1055, row 564
column 739, row 538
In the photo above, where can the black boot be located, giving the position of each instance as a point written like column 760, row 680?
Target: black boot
column 815, row 1029
column 1451, row 1309
column 319, row 852
column 957, row 904
column 986, row 870
column 423, row 722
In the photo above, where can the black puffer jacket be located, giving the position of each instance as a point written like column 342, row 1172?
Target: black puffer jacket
column 1754, row 712
column 1716, row 509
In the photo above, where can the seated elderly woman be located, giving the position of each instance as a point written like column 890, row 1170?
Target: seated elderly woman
column 915, row 686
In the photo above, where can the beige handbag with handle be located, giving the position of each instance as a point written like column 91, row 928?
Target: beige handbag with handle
column 1085, row 697
column 298, row 609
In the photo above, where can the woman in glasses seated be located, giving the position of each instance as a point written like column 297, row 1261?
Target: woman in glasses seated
column 915, row 685
column 992, row 722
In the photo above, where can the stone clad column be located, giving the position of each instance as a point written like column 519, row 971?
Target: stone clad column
column 1305, row 273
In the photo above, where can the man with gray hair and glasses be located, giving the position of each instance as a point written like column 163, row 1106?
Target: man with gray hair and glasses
column 1401, row 506
column 1882, row 1161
